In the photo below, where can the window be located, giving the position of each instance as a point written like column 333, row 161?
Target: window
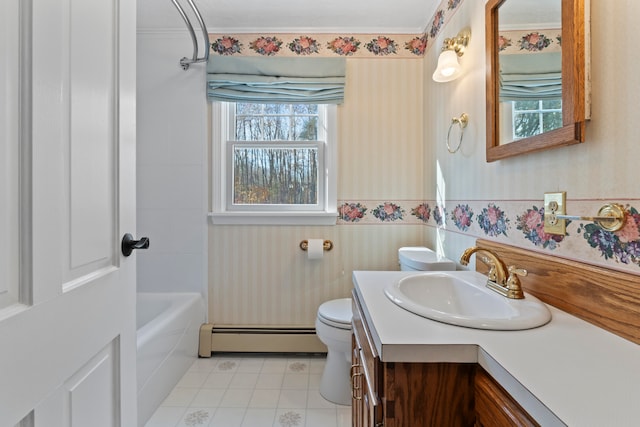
column 534, row 117
column 273, row 163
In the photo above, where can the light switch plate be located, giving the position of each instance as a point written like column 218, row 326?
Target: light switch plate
column 554, row 203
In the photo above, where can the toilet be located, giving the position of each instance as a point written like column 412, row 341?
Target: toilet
column 419, row 258
column 333, row 326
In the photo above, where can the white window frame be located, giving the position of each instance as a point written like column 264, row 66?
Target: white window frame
column 540, row 111
column 222, row 135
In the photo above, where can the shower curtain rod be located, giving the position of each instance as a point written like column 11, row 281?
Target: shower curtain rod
column 185, row 62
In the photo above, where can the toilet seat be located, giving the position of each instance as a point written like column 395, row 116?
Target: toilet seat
column 336, row 313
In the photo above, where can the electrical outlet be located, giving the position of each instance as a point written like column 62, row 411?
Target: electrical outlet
column 554, row 204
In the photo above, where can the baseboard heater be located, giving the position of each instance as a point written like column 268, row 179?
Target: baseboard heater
column 258, row 339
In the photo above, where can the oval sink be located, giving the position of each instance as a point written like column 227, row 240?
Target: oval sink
column 461, row 298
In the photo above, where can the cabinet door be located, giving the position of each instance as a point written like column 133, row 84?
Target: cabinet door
column 495, row 407
column 356, row 403
column 370, row 406
column 365, row 374
column 428, row 394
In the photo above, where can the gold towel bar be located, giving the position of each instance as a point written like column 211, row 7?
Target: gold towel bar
column 611, row 217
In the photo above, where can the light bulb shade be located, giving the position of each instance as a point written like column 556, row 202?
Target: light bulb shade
column 448, row 67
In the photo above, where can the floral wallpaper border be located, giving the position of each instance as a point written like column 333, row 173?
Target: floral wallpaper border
column 331, row 45
column 320, row 45
column 531, row 41
column 518, row 223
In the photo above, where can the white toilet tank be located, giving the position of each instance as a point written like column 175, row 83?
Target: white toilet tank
column 419, row 258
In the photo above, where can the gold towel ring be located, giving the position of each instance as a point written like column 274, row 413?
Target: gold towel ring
column 462, row 121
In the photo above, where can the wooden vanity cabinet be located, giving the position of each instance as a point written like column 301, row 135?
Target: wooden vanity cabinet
column 406, row 394
column 393, row 394
column 366, row 371
column 495, row 407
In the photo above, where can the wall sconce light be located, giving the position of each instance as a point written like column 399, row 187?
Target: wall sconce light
column 448, row 66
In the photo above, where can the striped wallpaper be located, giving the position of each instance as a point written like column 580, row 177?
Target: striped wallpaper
column 259, row 275
column 601, row 170
column 392, row 131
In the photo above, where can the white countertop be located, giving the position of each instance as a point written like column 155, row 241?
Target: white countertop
column 567, row 372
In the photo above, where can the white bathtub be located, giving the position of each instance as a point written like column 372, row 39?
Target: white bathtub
column 168, row 327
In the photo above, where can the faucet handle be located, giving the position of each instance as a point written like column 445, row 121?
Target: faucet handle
column 491, row 275
column 514, row 287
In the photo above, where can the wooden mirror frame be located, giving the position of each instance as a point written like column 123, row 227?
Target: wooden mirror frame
column 573, row 85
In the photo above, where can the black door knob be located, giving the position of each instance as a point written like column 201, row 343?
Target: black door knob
column 129, row 244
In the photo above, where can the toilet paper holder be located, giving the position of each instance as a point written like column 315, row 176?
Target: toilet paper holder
column 327, row 245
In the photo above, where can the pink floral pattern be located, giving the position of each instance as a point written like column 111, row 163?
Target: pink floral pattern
column 493, row 221
column 381, row 46
column 620, row 248
column 503, row 43
column 344, row 46
column 631, row 230
column 388, row 212
column 462, row 217
column 417, row 46
column 622, row 245
column 304, row 45
column 226, row 46
column 403, row 45
column 352, row 212
column 422, row 212
column 534, row 42
column 531, row 223
column 436, row 25
column 267, row 46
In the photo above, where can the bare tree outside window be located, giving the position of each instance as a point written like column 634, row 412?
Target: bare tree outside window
column 276, row 154
column 535, row 117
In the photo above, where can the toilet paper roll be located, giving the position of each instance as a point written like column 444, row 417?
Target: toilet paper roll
column 315, row 248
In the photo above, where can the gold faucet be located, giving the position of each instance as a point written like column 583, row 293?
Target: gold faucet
column 506, row 284
column 497, row 268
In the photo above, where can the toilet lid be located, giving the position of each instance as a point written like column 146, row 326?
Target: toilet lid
column 336, row 313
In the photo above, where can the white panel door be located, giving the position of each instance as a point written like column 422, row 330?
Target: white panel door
column 67, row 196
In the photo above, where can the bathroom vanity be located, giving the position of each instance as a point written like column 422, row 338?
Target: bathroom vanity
column 424, row 394
column 409, row 370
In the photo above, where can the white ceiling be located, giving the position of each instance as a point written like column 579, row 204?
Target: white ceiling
column 287, row 16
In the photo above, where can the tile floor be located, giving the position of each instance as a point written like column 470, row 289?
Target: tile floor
column 251, row 391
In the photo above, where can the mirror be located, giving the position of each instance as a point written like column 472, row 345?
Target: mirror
column 536, row 97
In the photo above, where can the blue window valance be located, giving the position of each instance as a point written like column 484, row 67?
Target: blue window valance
column 276, row 80
column 530, row 76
